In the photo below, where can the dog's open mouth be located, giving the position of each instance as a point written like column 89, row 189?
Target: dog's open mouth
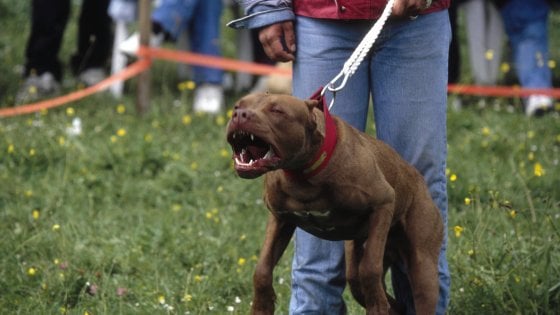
column 252, row 155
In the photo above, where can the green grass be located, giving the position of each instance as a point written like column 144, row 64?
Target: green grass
column 148, row 207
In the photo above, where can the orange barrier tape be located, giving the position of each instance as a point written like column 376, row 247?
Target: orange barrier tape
column 127, row 73
column 259, row 69
column 211, row 61
column 500, row 91
column 240, row 66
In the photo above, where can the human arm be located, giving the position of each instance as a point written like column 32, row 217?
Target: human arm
column 409, row 8
column 274, row 18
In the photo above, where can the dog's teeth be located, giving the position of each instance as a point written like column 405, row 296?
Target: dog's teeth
column 234, row 135
column 252, row 137
column 269, row 154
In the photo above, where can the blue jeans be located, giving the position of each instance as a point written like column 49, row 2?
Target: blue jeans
column 526, row 24
column 407, row 78
column 202, row 20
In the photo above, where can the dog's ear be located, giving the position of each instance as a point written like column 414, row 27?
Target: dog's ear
column 311, row 104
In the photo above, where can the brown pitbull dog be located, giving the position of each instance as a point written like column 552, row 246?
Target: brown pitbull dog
column 337, row 183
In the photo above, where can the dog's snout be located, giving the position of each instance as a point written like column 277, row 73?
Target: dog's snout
column 240, row 115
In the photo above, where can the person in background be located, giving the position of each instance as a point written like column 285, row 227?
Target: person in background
column 43, row 71
column 526, row 24
column 405, row 74
column 485, row 35
column 202, row 20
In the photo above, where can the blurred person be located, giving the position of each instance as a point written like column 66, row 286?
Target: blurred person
column 454, row 71
column 526, row 24
column 485, row 35
column 43, row 70
column 405, row 74
column 201, row 18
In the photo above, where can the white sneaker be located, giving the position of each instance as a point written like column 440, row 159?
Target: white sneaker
column 130, row 45
column 92, row 76
column 37, row 87
column 537, row 105
column 209, row 98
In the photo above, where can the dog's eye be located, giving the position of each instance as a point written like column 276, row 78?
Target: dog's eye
column 276, row 109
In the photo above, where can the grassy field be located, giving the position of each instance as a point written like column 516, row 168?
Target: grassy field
column 144, row 215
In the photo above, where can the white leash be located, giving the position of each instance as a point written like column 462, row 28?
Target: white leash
column 352, row 64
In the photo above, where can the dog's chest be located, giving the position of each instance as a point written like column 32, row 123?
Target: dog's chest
column 320, row 217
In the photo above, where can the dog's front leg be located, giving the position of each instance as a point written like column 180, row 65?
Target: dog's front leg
column 371, row 265
column 278, row 235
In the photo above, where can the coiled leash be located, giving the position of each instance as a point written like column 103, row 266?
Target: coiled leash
column 352, row 64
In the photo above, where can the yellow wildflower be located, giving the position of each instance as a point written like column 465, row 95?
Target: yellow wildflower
column 35, row 214
column 220, row 120
column 198, row 278
column 161, row 299
column 194, row 166
column 10, row 148
column 505, row 67
column 489, row 55
column 32, row 152
column 485, row 131
column 32, row 89
column 552, row 64
column 121, row 109
column 70, row 111
column 224, row 153
column 531, row 134
column 56, row 227
column 31, row 271
column 468, row 201
column 28, row 193
column 453, row 177
column 186, row 85
column 241, row 261
column 229, row 113
column 176, row 207
column 61, row 141
column 458, row 230
column 538, row 170
column 121, row 132
column 470, row 252
column 531, row 156
column 148, row 137
column 187, row 120
column 513, row 213
column 187, row 297
column 113, row 139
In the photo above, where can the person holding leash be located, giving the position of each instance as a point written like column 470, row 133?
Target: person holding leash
column 405, row 75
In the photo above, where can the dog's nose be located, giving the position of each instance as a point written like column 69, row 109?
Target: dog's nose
column 240, row 115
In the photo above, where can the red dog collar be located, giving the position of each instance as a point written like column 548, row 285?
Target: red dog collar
column 323, row 156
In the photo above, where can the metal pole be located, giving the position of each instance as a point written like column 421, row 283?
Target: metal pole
column 143, row 96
